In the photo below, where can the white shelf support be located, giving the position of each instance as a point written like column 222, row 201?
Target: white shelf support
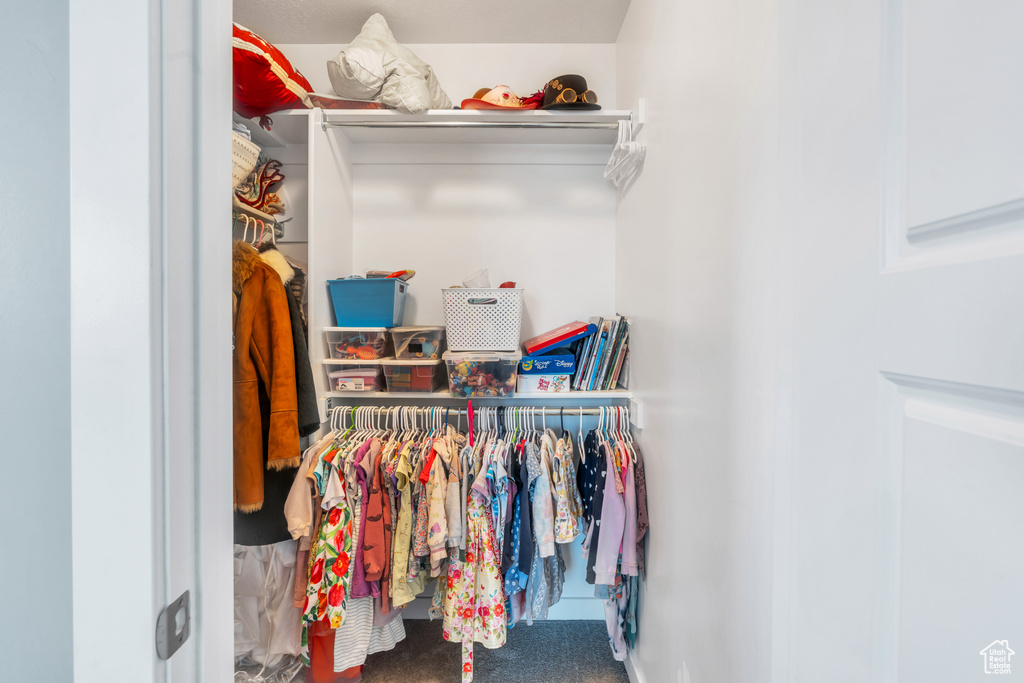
column 636, row 413
column 637, row 116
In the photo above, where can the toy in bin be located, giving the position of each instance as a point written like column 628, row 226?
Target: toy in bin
column 357, row 343
column 473, row 375
column 413, row 375
column 420, row 342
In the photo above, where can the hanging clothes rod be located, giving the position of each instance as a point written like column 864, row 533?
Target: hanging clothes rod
column 525, row 411
column 564, row 125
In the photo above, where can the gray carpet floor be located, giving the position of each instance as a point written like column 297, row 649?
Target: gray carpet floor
column 547, row 652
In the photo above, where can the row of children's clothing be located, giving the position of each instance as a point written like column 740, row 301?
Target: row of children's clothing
column 379, row 514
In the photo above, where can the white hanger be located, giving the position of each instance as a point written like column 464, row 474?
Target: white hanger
column 627, row 157
column 579, row 434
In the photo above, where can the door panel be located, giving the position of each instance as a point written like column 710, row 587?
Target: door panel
column 954, row 180
column 908, row 388
column 964, row 141
column 952, row 567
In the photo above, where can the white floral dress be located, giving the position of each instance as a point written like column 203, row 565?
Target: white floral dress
column 474, row 609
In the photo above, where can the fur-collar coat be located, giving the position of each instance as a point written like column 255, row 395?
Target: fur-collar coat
column 263, row 350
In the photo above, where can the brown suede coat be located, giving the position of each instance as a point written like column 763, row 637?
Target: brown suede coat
column 263, row 350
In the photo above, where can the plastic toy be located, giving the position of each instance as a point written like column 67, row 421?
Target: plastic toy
column 361, row 346
column 482, row 379
column 420, row 347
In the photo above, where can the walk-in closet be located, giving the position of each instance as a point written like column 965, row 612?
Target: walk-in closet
column 660, row 341
column 512, row 192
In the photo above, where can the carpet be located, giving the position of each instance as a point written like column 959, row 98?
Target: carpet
column 547, row 652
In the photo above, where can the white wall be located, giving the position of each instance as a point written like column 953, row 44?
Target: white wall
column 464, row 69
column 695, row 274
column 549, row 228
column 35, row 409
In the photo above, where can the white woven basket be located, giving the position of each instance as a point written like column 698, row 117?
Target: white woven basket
column 483, row 319
column 244, row 154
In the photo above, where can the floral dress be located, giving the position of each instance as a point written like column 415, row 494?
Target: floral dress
column 474, row 600
column 329, row 558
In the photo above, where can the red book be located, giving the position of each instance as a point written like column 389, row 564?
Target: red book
column 558, row 337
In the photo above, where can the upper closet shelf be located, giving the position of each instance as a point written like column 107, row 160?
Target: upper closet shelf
column 447, row 126
column 455, row 126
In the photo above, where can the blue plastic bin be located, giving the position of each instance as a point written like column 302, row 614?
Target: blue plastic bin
column 360, row 302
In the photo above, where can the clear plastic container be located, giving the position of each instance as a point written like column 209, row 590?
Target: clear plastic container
column 357, row 343
column 422, row 342
column 354, row 375
column 475, row 374
column 418, row 376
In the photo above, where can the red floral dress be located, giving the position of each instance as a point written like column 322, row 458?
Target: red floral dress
column 330, row 556
column 474, row 609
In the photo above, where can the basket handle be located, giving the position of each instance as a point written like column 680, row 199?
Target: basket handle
column 482, row 302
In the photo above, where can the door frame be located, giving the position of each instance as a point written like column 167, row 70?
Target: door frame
column 150, row 88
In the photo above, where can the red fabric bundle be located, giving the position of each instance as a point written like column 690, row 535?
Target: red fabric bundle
column 265, row 81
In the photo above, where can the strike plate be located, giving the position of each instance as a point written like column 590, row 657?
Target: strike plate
column 173, row 627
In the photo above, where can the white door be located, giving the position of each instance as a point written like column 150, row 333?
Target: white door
column 902, row 498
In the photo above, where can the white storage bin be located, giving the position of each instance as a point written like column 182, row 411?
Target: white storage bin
column 483, row 319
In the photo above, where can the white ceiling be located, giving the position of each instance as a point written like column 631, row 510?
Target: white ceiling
column 436, row 21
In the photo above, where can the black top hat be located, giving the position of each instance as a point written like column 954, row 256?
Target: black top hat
column 569, row 92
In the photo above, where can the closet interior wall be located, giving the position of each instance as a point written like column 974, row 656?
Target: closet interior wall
column 705, row 210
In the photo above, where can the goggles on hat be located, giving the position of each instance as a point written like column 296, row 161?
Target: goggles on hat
column 568, row 96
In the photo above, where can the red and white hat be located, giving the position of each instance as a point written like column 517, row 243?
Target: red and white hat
column 501, row 97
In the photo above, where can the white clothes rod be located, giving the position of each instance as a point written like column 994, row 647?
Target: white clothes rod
column 628, row 413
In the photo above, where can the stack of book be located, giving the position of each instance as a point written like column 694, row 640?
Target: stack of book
column 602, row 358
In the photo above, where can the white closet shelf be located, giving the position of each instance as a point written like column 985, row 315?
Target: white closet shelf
column 460, row 126
column 237, row 205
column 620, row 394
column 289, row 127
column 446, row 126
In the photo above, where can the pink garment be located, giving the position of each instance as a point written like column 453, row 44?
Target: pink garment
column 360, row 588
column 629, row 564
column 613, row 518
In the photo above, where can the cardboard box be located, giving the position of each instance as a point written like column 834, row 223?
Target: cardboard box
column 557, row 362
column 546, row 383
